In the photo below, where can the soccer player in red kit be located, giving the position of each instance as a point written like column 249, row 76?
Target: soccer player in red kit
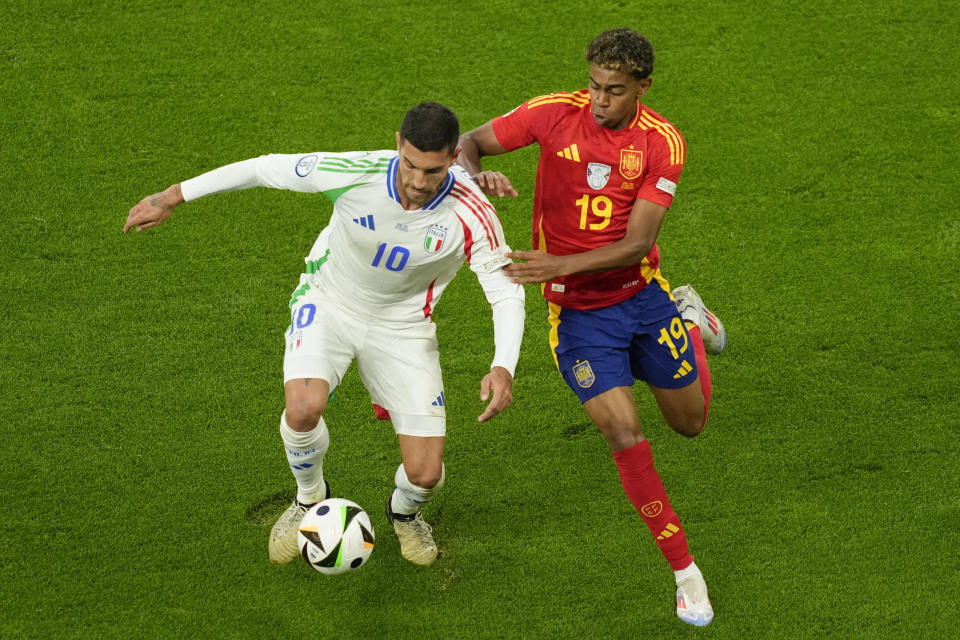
column 607, row 174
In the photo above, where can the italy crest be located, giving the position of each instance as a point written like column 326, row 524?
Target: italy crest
column 436, row 234
column 631, row 163
column 597, row 175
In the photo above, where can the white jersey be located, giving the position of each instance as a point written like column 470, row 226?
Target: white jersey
column 376, row 258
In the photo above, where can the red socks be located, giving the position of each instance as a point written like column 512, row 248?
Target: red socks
column 645, row 490
column 702, row 369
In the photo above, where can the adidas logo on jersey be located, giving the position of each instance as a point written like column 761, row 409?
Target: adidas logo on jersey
column 570, row 153
column 366, row 223
column 439, row 401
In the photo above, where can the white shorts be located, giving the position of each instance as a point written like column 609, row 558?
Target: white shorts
column 400, row 367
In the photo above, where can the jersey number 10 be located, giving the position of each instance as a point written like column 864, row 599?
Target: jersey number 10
column 396, row 260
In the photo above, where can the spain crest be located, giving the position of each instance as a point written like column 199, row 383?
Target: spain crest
column 631, row 163
column 583, row 372
column 436, row 234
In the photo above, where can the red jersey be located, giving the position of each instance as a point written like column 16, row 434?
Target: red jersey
column 587, row 181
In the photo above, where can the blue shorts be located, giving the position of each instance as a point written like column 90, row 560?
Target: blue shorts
column 641, row 338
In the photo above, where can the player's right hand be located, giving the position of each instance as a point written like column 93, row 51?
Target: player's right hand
column 497, row 387
column 153, row 210
column 494, row 183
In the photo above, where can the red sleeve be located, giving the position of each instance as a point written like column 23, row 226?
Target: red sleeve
column 667, row 153
column 519, row 128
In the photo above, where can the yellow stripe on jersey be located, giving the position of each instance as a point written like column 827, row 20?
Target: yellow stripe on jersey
column 579, row 105
column 578, row 99
column 678, row 149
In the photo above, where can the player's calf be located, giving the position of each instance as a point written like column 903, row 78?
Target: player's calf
column 403, row 511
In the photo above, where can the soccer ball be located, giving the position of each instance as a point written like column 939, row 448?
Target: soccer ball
column 335, row 536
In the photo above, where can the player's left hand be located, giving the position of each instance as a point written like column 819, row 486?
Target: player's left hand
column 539, row 267
column 499, row 384
column 153, row 210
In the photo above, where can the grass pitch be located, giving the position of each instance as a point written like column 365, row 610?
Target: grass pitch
column 141, row 469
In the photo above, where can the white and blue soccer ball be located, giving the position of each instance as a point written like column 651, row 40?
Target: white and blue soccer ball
column 335, row 536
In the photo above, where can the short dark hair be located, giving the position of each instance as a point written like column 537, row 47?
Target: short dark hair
column 622, row 50
column 430, row 126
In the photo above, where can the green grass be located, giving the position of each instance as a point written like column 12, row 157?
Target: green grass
column 140, row 466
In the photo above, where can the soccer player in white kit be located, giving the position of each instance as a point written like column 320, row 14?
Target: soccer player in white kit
column 403, row 223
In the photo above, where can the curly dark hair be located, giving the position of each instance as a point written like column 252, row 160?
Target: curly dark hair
column 622, row 50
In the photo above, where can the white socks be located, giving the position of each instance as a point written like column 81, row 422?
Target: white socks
column 305, row 453
column 407, row 498
column 683, row 574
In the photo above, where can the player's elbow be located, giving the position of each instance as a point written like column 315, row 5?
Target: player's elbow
column 643, row 246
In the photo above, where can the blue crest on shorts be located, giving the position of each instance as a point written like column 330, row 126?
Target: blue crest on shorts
column 583, row 372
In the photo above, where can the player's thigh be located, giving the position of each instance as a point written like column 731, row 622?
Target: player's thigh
column 401, row 370
column 615, row 414
column 661, row 353
column 590, row 349
column 682, row 408
column 319, row 347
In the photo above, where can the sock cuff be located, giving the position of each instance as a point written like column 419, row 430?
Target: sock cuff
column 403, row 483
column 302, row 438
column 639, row 454
column 691, row 570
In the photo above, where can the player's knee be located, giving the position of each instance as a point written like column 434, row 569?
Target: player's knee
column 304, row 411
column 621, row 436
column 425, row 477
column 689, row 424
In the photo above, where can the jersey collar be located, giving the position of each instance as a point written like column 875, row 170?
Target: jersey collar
column 636, row 118
column 434, row 201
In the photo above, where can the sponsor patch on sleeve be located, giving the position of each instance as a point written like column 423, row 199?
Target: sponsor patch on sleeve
column 667, row 185
column 497, row 263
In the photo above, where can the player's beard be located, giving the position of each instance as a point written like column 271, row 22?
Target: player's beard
column 417, row 197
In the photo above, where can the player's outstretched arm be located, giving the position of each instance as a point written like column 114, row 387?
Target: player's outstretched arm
column 154, row 210
column 475, row 144
column 640, row 236
column 497, row 384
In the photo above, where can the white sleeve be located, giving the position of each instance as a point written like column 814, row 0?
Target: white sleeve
column 487, row 258
column 509, row 312
column 308, row 173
